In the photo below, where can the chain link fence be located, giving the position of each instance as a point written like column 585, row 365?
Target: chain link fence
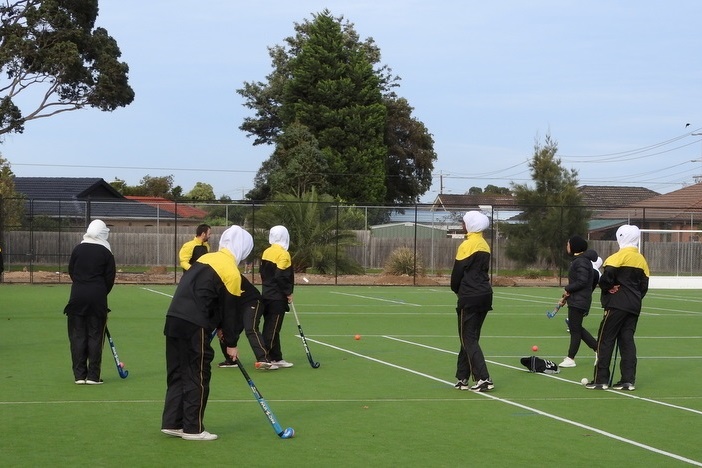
column 330, row 242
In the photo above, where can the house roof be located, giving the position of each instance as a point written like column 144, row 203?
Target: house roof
column 678, row 204
column 181, row 209
column 79, row 197
column 609, row 196
column 66, row 188
column 687, row 198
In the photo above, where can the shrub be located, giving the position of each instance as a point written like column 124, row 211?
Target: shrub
column 402, row 262
column 532, row 274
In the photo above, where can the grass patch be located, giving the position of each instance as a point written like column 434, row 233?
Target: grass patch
column 384, row 400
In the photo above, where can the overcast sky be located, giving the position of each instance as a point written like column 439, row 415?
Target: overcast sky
column 614, row 83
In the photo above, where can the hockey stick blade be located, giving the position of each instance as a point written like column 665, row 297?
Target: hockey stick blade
column 313, row 363
column 559, row 304
column 123, row 373
column 552, row 313
column 287, row 433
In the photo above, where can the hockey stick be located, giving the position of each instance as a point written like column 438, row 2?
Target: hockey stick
column 313, row 363
column 288, row 433
column 120, row 366
column 561, row 303
column 614, row 365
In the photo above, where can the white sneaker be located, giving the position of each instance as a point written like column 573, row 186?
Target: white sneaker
column 283, row 363
column 567, row 362
column 80, row 382
column 204, row 435
column 173, row 432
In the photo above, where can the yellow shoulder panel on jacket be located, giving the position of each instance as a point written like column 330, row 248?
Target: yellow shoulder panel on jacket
column 474, row 243
column 224, row 264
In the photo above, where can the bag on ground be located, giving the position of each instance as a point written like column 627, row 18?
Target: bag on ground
column 536, row 364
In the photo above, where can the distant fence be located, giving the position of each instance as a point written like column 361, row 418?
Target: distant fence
column 30, row 246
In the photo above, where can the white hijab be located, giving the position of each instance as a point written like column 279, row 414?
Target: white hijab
column 97, row 234
column 238, row 241
column 279, row 235
column 628, row 236
column 597, row 263
column 476, row 221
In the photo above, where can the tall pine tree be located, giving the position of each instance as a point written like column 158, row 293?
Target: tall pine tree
column 334, row 92
column 370, row 148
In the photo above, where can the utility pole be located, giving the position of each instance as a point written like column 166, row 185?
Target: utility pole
column 697, row 178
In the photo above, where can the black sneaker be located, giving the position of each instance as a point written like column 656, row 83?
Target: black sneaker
column 596, row 386
column 227, row 363
column 462, row 385
column 483, row 386
column 624, row 386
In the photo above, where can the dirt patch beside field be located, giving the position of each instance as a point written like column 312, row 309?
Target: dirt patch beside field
column 160, row 276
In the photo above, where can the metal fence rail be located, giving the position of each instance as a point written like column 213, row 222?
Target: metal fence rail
column 38, row 242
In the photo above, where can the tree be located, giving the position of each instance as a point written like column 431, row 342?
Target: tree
column 150, row 187
column 11, row 204
column 296, row 165
column 411, row 156
column 53, row 47
column 226, row 212
column 201, row 191
column 324, row 79
column 489, row 190
column 553, row 210
column 120, row 185
column 318, row 230
column 494, row 189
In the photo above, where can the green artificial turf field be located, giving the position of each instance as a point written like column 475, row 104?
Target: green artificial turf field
column 384, row 400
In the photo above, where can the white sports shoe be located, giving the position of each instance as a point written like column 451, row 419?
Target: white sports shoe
column 567, row 362
column 173, row 432
column 282, row 363
column 204, row 435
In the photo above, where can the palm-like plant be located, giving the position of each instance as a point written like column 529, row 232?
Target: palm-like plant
column 319, row 231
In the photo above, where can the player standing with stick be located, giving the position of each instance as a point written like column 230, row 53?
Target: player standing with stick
column 92, row 270
column 206, row 299
column 471, row 283
column 578, row 294
column 624, row 284
column 277, row 285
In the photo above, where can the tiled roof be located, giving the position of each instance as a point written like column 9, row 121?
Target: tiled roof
column 65, row 188
column 687, row 198
column 610, row 196
column 78, row 197
column 677, row 205
column 183, row 210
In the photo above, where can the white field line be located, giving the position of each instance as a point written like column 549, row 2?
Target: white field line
column 376, row 299
column 419, row 305
column 675, row 298
column 552, row 376
column 646, row 310
column 519, row 405
column 158, row 292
